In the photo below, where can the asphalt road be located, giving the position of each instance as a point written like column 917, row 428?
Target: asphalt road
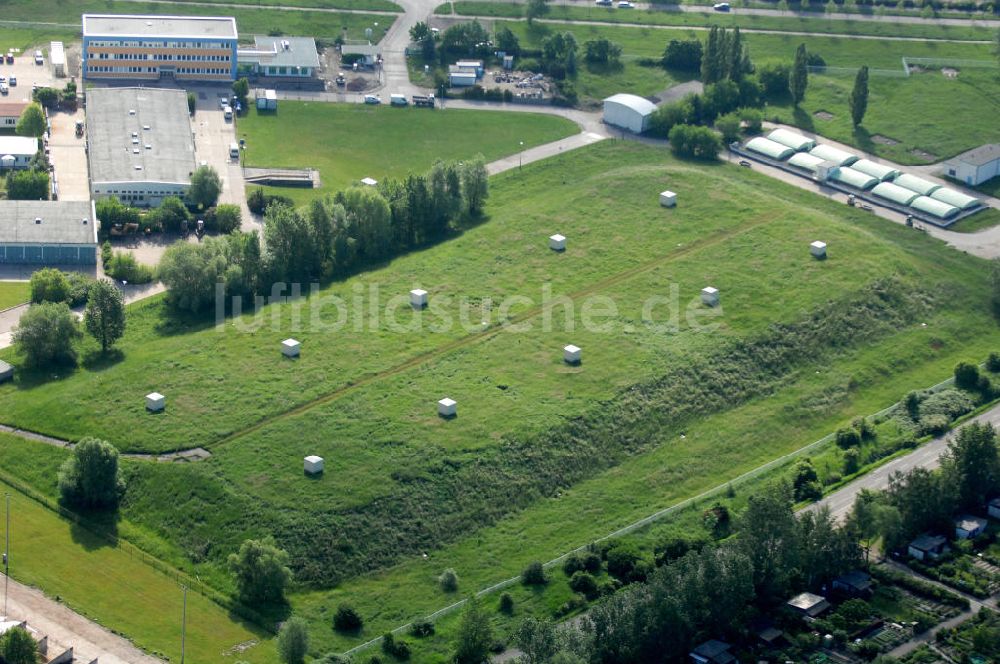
column 926, row 456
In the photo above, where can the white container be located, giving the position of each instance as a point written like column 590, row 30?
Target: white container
column 668, row 199
column 290, row 348
column 572, row 354
column 155, row 402
column 818, row 249
column 418, row 298
column 557, row 242
column 709, row 296
column 447, row 407
column 313, row 465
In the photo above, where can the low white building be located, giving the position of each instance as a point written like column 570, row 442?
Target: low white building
column 418, row 298
column 313, row 465
column 818, row 249
column 572, row 354
column 557, row 242
column 709, row 296
column 291, row 348
column 668, row 199
column 155, row 402
column 629, row 112
column 447, row 407
column 975, row 166
column 57, row 58
column 17, row 151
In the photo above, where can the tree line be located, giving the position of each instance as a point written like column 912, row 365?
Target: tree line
column 331, row 237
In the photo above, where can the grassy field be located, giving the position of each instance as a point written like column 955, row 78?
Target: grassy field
column 13, row 293
column 25, row 37
column 926, row 97
column 360, row 5
column 543, row 457
column 978, row 222
column 709, row 18
column 262, row 20
column 348, row 142
column 112, row 587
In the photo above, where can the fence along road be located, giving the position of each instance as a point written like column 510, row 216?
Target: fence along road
column 925, row 456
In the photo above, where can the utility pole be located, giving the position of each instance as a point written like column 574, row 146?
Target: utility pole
column 6, row 559
column 184, row 613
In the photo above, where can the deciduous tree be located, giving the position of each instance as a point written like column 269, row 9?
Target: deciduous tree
column 31, row 122
column 45, row 334
column 104, row 316
column 90, row 477
column 261, row 571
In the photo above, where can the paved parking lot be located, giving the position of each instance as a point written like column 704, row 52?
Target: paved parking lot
column 213, row 135
column 67, row 155
column 66, row 150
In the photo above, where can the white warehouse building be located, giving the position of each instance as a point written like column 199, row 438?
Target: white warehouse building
column 975, row 166
column 140, row 144
column 628, row 112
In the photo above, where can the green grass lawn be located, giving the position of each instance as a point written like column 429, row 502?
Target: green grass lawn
column 363, row 5
column 13, row 293
column 25, row 38
column 744, row 21
column 262, row 20
column 978, row 222
column 399, row 481
column 916, row 134
column 347, row 142
column 112, row 587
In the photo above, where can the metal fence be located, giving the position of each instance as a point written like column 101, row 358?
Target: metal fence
column 653, row 518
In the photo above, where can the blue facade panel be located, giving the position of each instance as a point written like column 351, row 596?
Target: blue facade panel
column 16, row 254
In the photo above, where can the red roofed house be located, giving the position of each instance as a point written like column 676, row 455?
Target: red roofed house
column 10, row 112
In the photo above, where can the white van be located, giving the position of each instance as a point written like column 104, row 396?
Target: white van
column 227, row 113
column 234, row 151
column 398, row 100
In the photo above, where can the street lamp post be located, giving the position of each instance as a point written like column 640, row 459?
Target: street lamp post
column 6, row 559
column 520, row 154
column 184, row 622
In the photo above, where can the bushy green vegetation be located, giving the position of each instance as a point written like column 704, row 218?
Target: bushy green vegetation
column 348, row 142
column 583, row 435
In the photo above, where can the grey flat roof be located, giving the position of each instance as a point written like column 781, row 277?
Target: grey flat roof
column 301, row 51
column 110, row 127
column 133, row 25
column 984, row 154
column 62, row 222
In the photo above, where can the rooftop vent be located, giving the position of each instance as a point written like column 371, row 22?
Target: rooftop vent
column 84, row 221
column 38, row 220
column 131, row 111
column 149, row 23
column 135, row 150
column 148, row 146
column 146, row 127
column 138, row 168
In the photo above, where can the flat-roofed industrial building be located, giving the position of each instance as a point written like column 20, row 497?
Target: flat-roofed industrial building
column 140, row 144
column 48, row 233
